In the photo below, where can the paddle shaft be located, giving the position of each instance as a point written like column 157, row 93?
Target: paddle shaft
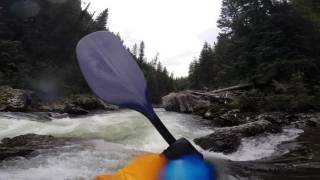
column 162, row 129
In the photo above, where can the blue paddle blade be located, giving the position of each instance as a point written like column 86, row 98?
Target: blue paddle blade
column 112, row 73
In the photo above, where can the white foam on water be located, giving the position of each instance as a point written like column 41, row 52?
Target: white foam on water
column 111, row 140
column 261, row 146
column 76, row 162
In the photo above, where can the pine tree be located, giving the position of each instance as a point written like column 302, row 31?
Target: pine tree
column 206, row 64
column 134, row 50
column 141, row 52
column 101, row 20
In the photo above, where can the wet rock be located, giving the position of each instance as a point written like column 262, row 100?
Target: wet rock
column 87, row 102
column 230, row 118
column 75, row 105
column 279, row 118
column 314, row 122
column 34, row 116
column 306, row 121
column 224, row 116
column 109, row 107
column 13, row 99
column 227, row 139
column 25, row 145
column 58, row 115
column 184, row 102
column 74, row 109
column 18, row 100
column 215, row 111
column 274, row 170
column 220, row 142
column 254, row 128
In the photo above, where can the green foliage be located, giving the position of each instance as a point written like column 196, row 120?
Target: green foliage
column 38, row 52
column 250, row 101
column 41, row 48
column 194, row 73
column 181, row 83
column 159, row 81
column 272, row 44
column 309, row 8
column 201, row 72
column 293, row 96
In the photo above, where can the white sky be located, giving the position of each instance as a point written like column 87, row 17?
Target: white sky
column 177, row 29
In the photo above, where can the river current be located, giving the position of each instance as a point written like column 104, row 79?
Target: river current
column 108, row 141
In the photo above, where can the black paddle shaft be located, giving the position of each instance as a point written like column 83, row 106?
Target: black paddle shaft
column 162, row 129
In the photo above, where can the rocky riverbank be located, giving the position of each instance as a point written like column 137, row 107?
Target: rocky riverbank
column 19, row 100
column 230, row 123
column 28, row 145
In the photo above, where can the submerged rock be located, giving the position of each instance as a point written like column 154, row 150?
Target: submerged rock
column 184, row 102
column 25, row 145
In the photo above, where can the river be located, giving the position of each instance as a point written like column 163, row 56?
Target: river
column 110, row 140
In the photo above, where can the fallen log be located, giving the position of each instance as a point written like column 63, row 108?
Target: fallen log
column 215, row 92
column 237, row 87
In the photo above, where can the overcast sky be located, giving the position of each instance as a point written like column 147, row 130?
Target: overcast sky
column 177, row 29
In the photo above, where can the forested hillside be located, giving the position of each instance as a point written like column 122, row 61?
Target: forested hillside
column 159, row 81
column 275, row 45
column 37, row 48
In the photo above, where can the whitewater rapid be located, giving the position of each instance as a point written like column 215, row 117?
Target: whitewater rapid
column 111, row 140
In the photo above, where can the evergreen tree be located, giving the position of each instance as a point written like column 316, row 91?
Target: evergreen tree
column 262, row 42
column 101, row 20
column 194, row 74
column 134, row 50
column 141, row 52
column 206, row 65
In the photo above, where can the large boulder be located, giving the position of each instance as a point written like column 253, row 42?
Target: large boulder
column 75, row 105
column 184, row 102
column 86, row 101
column 225, row 142
column 14, row 99
column 25, row 145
